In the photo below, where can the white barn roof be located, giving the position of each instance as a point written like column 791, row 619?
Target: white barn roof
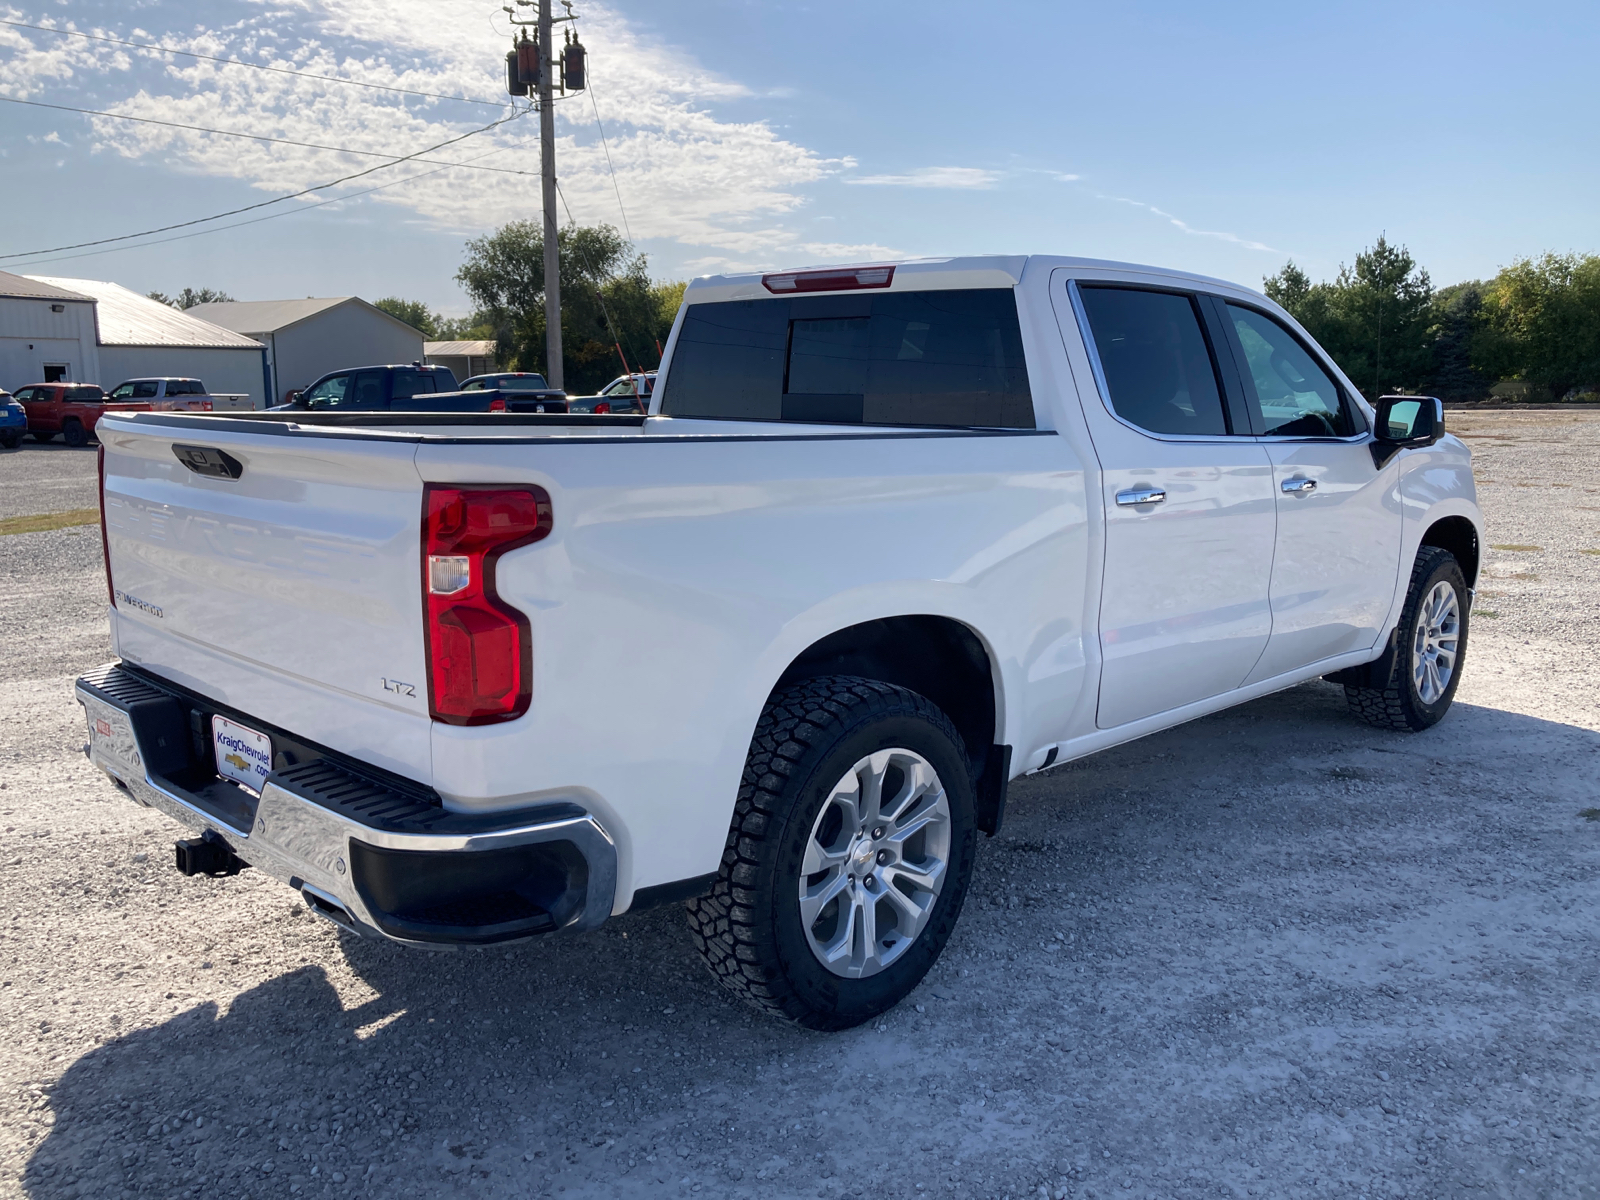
column 32, row 289
column 126, row 318
column 273, row 316
column 459, row 349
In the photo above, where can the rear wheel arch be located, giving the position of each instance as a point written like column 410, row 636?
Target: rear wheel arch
column 936, row 657
column 941, row 659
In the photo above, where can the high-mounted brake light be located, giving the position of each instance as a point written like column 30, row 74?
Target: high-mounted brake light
column 835, row 279
column 480, row 649
column 105, row 537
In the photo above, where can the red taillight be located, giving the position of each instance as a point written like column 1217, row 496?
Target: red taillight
column 480, row 653
column 835, row 279
column 603, row 407
column 498, row 404
column 205, row 406
column 105, row 537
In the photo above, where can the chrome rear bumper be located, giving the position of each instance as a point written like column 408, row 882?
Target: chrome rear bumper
column 365, row 853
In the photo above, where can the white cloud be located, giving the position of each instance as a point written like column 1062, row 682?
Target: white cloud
column 932, row 177
column 1190, row 229
column 684, row 174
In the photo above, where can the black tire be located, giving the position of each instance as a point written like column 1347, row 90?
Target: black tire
column 42, row 437
column 1393, row 701
column 748, row 928
column 10, row 438
column 74, row 434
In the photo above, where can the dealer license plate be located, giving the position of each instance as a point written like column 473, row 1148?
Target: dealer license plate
column 243, row 755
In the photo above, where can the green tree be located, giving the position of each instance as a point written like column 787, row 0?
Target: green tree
column 189, row 297
column 413, row 312
column 1375, row 319
column 1458, row 319
column 1541, row 322
column 607, row 299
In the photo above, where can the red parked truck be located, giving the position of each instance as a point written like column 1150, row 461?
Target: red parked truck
column 70, row 409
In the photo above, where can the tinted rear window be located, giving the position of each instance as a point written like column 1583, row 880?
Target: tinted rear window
column 1156, row 360
column 951, row 358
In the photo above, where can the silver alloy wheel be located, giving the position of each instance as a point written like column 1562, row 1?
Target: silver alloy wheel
column 875, row 862
column 1436, row 642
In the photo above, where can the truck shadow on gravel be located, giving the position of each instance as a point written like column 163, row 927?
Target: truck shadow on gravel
column 1271, row 950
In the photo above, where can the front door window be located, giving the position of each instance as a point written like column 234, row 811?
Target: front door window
column 1296, row 397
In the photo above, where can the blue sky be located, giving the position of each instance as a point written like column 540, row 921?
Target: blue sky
column 1224, row 138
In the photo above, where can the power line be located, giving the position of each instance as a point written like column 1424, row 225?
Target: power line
column 321, row 187
column 594, row 277
column 609, row 167
column 254, row 137
column 235, row 62
column 257, row 220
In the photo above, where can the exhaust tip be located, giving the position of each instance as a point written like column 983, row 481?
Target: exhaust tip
column 324, row 905
column 206, row 856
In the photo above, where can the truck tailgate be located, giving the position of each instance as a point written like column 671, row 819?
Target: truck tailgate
column 291, row 592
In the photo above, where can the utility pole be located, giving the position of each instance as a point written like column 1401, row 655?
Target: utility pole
column 547, row 180
column 534, row 66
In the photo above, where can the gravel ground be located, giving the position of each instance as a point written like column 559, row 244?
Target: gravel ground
column 47, row 478
column 1274, row 952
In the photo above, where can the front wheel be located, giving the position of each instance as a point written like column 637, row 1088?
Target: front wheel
column 849, row 854
column 1430, row 648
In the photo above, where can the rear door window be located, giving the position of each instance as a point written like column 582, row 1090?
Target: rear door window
column 86, row 395
column 366, row 391
column 1296, row 397
column 941, row 358
column 1155, row 359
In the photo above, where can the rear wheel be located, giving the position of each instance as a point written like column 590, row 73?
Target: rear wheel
column 1430, row 648
column 10, row 438
column 74, row 434
column 40, row 436
column 849, row 854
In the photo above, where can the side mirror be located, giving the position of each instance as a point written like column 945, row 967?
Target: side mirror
column 1405, row 422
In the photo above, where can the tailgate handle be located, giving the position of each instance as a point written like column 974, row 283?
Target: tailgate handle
column 207, row 460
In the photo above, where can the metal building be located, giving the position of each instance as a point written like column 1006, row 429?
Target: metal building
column 137, row 337
column 46, row 334
column 308, row 338
column 466, row 359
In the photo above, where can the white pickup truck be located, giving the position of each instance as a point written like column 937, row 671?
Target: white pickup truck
column 887, row 538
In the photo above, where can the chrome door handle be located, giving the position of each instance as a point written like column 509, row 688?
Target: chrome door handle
column 1141, row 495
column 1299, row 487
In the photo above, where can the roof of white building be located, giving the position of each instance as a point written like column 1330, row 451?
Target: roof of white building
column 125, row 318
column 458, row 349
column 271, row 316
column 32, row 289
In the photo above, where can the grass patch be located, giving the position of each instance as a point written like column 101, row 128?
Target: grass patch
column 44, row 522
column 1590, row 814
column 1589, row 551
column 1484, row 612
column 1491, row 595
column 1518, row 547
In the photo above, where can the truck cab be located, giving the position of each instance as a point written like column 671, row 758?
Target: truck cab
column 374, row 389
